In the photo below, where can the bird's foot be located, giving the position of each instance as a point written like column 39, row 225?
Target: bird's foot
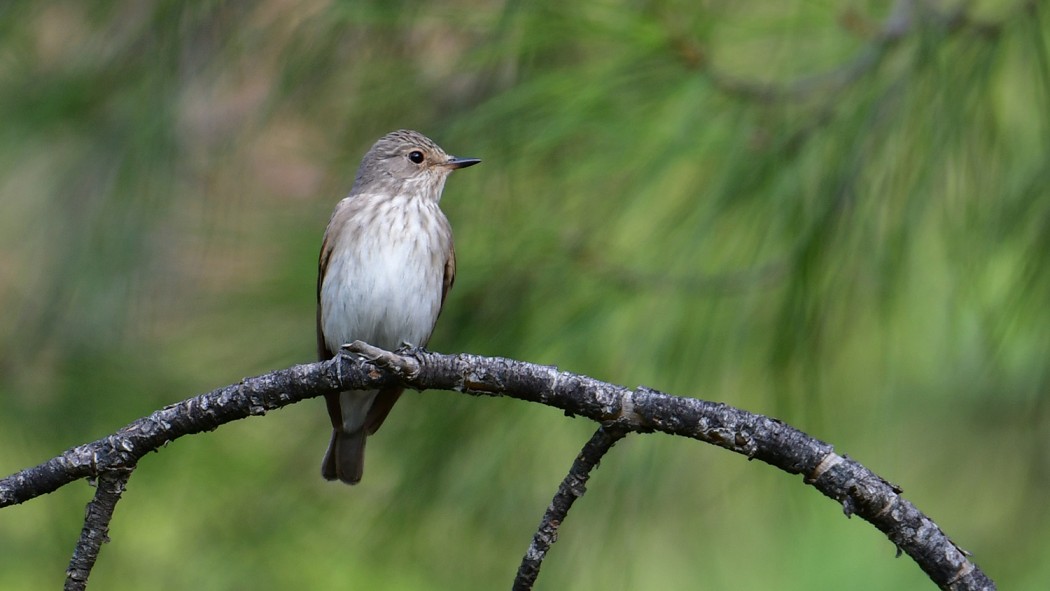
column 407, row 348
column 398, row 362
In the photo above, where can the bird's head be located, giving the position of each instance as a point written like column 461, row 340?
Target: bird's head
column 406, row 161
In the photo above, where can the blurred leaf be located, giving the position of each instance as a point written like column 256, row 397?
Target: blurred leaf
column 837, row 215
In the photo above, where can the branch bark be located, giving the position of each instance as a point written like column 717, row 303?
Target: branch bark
column 109, row 488
column 858, row 490
column 572, row 488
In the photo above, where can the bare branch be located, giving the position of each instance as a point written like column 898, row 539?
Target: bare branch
column 96, row 527
column 253, row 396
column 857, row 489
column 571, row 488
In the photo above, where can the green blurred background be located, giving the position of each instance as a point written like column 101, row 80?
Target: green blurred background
column 836, row 214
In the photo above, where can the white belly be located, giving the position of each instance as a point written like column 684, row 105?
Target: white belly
column 385, row 287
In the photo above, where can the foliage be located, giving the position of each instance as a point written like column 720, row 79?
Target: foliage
column 834, row 214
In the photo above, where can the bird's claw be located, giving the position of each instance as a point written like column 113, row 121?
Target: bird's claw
column 395, row 361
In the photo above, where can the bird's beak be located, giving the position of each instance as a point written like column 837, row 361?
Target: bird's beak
column 455, row 163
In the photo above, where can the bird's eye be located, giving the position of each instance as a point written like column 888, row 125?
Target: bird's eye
column 416, row 156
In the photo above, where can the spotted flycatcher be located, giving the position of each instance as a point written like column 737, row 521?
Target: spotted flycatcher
column 385, row 268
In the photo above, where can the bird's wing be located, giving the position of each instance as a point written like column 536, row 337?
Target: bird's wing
column 323, row 353
column 335, row 413
column 450, row 274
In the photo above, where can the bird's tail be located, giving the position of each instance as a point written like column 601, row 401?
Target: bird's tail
column 345, row 458
column 355, row 415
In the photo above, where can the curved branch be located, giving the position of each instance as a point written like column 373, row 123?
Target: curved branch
column 857, row 489
column 571, row 488
column 95, row 532
column 123, row 449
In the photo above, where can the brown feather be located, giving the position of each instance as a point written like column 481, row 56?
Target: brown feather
column 450, row 278
column 381, row 406
column 323, row 354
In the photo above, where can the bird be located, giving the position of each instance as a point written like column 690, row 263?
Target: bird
column 386, row 264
